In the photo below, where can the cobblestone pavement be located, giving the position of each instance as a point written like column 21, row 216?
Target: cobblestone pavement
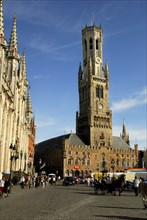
column 70, row 203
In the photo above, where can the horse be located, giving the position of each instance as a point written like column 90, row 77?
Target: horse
column 111, row 187
column 100, row 185
column 143, row 192
column 116, row 185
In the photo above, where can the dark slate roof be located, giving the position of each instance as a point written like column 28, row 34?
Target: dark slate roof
column 56, row 142
column 50, row 143
column 118, row 142
column 75, row 140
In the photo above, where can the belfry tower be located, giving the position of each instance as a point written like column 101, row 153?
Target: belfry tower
column 94, row 119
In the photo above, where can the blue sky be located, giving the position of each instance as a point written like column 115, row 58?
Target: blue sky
column 50, row 33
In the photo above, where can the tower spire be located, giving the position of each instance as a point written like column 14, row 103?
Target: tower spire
column 124, row 134
column 124, row 130
column 2, row 38
column 80, row 72
column 13, row 49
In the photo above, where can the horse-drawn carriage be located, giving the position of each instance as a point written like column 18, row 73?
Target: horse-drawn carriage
column 109, row 186
column 143, row 192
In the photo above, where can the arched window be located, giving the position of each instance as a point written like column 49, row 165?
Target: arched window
column 90, row 44
column 88, row 162
column 83, row 162
column 103, row 156
column 76, row 161
column 96, row 44
column 117, row 162
column 99, row 92
column 85, row 44
column 69, row 161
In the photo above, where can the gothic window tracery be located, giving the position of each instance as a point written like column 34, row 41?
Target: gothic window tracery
column 99, row 92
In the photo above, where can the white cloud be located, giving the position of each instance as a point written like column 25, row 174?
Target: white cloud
column 137, row 99
column 47, row 47
column 40, row 76
column 45, row 123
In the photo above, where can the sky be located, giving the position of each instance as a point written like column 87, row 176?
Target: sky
column 50, row 32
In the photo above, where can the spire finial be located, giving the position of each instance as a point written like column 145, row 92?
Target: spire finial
column 2, row 38
column 13, row 50
column 1, row 19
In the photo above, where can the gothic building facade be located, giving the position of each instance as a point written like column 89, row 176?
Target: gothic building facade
column 17, row 124
column 93, row 148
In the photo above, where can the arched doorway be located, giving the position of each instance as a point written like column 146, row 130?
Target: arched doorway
column 77, row 173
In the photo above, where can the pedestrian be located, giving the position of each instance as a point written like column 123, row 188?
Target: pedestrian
column 29, row 182
column 36, row 182
column 136, row 185
column 22, row 182
column 6, row 187
column 2, row 182
column 88, row 181
column 59, row 178
column 54, row 180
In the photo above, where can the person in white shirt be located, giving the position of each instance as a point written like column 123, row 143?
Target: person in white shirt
column 136, row 186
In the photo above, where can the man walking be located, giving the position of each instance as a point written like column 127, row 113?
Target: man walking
column 136, row 186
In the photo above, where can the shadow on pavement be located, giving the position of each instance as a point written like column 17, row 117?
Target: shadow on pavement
column 118, row 217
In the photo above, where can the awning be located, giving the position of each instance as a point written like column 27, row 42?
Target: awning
column 6, row 172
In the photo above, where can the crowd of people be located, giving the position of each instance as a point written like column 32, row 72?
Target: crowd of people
column 26, row 182
column 5, row 186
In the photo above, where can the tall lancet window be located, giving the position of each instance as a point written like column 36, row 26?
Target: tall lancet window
column 99, row 92
column 85, row 45
column 103, row 156
column 90, row 44
column 97, row 44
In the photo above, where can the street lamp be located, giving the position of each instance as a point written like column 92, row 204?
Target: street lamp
column 40, row 162
column 112, row 166
column 97, row 169
column 21, row 154
column 104, row 166
column 25, row 157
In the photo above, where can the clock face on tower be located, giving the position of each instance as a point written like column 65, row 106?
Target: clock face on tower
column 98, row 60
column 100, row 106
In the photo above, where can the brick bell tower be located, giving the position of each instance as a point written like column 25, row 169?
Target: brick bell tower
column 94, row 119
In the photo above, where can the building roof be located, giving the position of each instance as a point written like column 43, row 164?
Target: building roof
column 56, row 142
column 118, row 142
column 73, row 139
